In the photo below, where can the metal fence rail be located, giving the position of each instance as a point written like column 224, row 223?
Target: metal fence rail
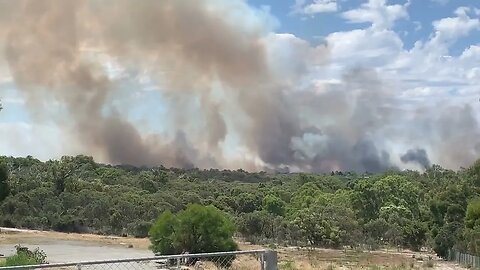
column 235, row 260
column 464, row 259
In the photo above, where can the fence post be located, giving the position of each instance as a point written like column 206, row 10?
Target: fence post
column 262, row 260
column 271, row 260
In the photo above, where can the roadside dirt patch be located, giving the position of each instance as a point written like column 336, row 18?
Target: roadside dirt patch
column 15, row 236
column 61, row 246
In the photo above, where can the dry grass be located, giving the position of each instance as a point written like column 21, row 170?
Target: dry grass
column 296, row 259
column 242, row 262
column 25, row 237
column 290, row 258
column 245, row 263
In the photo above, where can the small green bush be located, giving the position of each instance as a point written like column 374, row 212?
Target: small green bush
column 24, row 256
column 19, row 259
column 197, row 229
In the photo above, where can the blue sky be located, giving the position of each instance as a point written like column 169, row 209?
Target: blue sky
column 418, row 25
column 425, row 52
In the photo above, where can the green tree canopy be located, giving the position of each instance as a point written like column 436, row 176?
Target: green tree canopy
column 274, row 205
column 472, row 217
column 4, row 188
column 247, row 202
column 435, row 209
column 371, row 194
column 328, row 225
column 196, row 229
column 472, row 227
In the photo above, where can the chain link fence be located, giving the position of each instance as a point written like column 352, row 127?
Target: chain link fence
column 236, row 260
column 468, row 260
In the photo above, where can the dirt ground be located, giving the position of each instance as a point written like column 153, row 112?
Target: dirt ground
column 294, row 258
column 15, row 236
column 290, row 258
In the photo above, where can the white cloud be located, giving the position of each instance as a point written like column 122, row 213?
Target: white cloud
column 452, row 28
column 474, row 74
column 377, row 12
column 350, row 48
column 441, row 2
column 462, row 11
column 315, row 6
column 471, row 53
column 319, row 6
column 425, row 72
column 419, row 92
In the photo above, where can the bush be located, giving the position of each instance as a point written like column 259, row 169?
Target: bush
column 196, row 229
column 24, row 256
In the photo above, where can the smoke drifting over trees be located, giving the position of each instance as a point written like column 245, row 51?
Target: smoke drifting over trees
column 418, row 156
column 224, row 76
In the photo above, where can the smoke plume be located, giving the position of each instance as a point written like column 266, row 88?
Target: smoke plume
column 230, row 86
column 416, row 156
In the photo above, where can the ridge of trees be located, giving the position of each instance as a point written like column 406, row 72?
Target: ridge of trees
column 438, row 208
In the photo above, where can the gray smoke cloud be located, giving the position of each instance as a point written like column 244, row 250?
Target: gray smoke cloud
column 418, row 156
column 43, row 52
column 222, row 73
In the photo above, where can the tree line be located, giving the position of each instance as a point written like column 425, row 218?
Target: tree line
column 438, row 208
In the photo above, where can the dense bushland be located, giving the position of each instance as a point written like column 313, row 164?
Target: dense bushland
column 438, row 208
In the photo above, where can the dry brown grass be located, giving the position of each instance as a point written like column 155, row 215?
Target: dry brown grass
column 245, row 263
column 11, row 237
column 242, row 262
column 290, row 258
column 297, row 258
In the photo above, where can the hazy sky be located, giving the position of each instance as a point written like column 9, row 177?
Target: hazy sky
column 312, row 85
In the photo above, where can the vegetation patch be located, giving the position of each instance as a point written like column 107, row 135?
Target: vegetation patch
column 24, row 256
column 433, row 210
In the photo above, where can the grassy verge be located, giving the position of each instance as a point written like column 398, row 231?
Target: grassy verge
column 24, row 256
column 18, row 259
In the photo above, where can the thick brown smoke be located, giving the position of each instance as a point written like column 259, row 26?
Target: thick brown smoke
column 43, row 51
column 217, row 70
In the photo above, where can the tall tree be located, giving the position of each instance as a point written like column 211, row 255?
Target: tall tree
column 196, row 229
column 4, row 188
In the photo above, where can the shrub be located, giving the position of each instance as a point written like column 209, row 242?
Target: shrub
column 196, row 229
column 24, row 256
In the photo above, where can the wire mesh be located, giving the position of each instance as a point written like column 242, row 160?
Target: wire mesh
column 468, row 260
column 224, row 260
column 204, row 263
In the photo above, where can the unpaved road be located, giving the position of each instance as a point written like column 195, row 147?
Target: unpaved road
column 61, row 247
column 74, row 251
